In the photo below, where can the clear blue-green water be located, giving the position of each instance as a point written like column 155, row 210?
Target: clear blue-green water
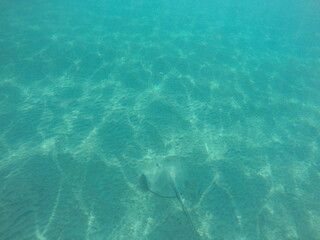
column 91, row 92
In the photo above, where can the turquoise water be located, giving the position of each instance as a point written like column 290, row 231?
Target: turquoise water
column 92, row 92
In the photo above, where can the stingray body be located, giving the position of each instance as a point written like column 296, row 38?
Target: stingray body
column 166, row 178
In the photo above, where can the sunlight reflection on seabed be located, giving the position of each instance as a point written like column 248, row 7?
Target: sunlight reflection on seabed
column 91, row 93
column 40, row 234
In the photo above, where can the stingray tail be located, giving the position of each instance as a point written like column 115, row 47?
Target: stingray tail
column 186, row 213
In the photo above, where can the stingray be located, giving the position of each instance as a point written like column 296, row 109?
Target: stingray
column 166, row 178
